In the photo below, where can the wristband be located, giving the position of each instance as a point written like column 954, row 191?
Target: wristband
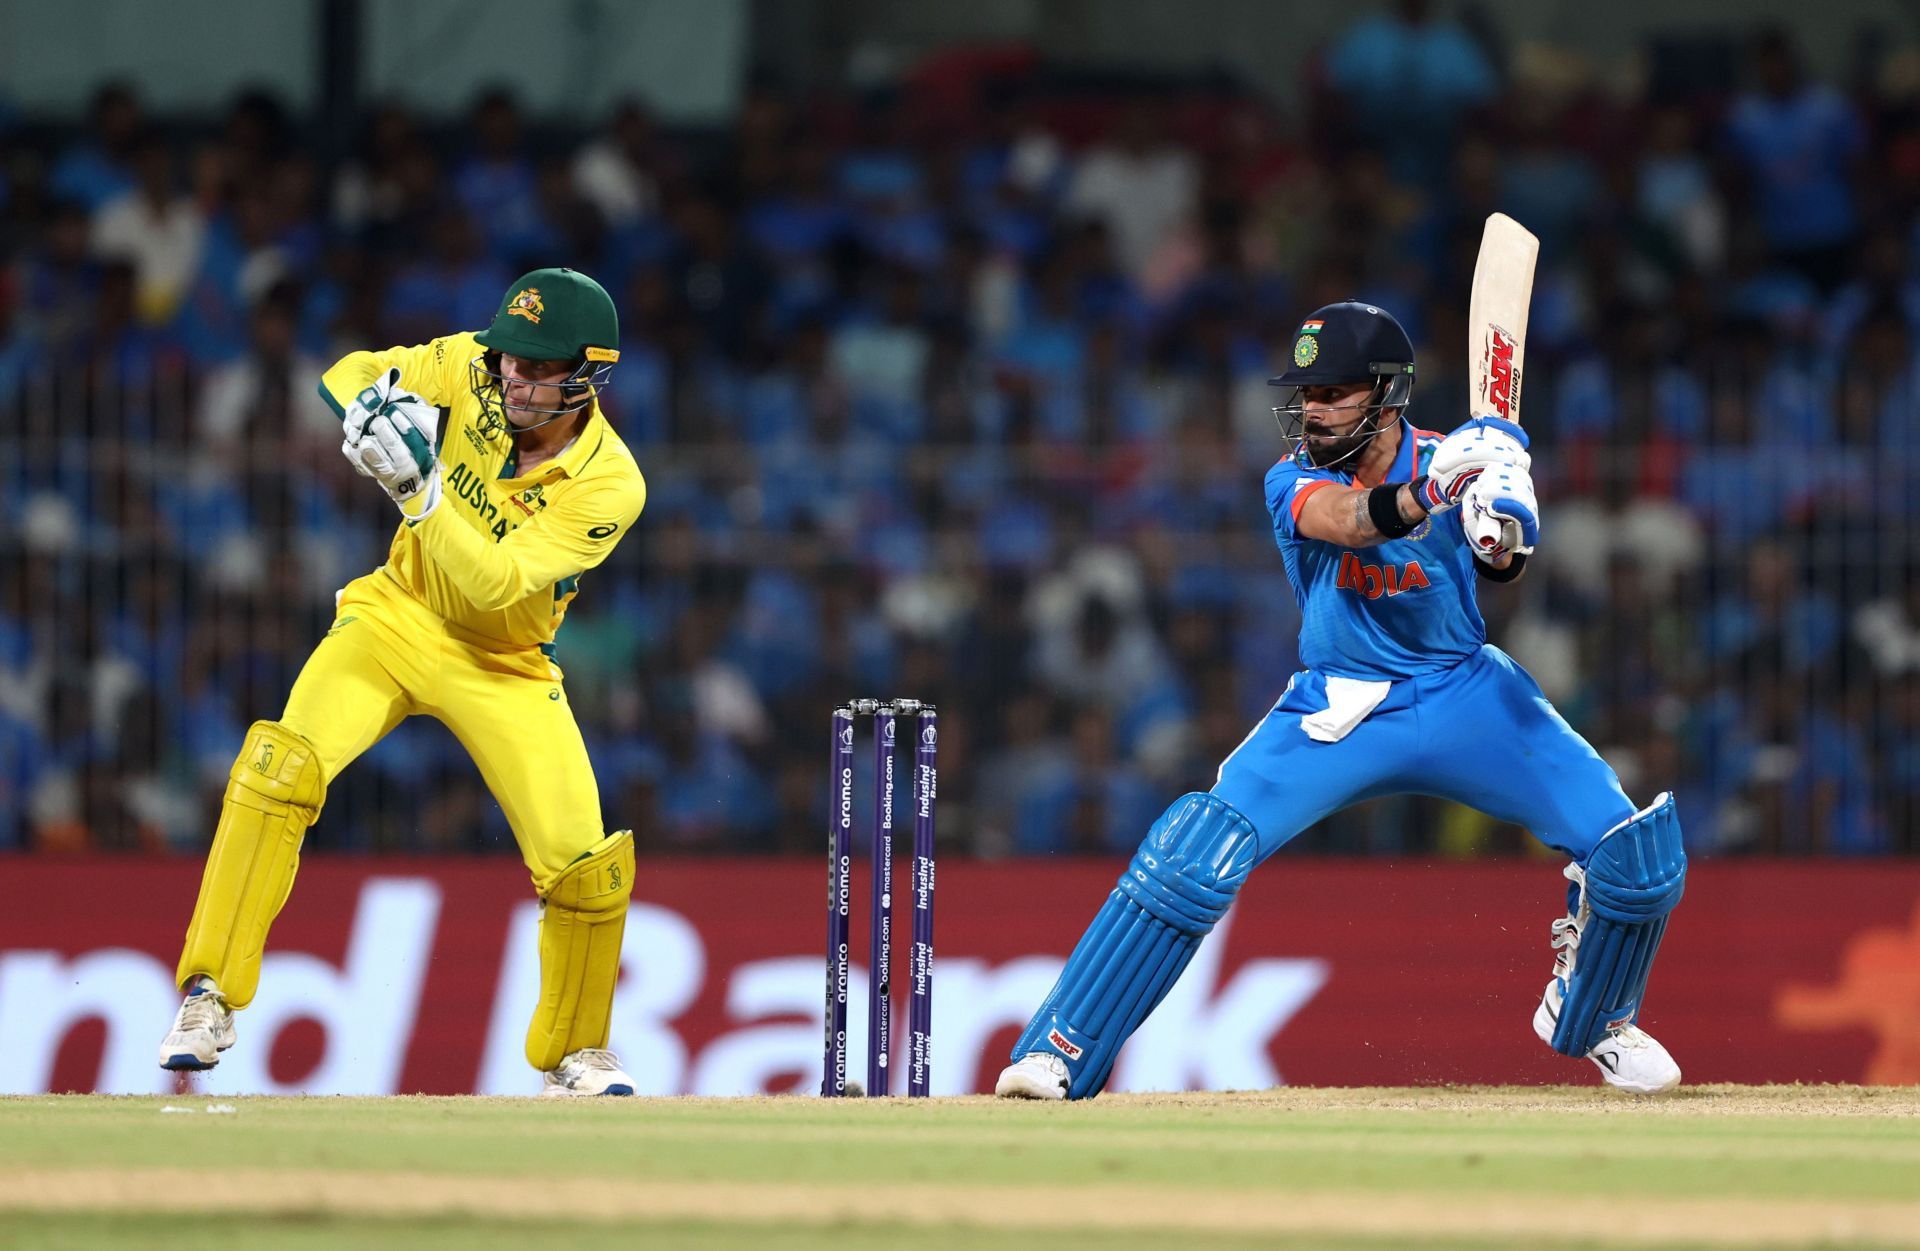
column 1383, row 507
column 1512, row 571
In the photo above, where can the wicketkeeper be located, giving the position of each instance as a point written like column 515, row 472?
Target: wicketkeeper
column 511, row 484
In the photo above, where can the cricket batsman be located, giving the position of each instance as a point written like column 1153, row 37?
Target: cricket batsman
column 1386, row 531
column 511, row 484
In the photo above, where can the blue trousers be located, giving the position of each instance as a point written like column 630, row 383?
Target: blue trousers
column 1480, row 733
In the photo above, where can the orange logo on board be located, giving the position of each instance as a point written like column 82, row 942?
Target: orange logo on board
column 1879, row 990
column 528, row 305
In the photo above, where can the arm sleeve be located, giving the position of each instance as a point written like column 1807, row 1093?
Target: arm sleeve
column 429, row 370
column 571, row 535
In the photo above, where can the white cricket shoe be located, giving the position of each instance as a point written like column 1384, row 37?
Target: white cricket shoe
column 202, row 1029
column 1628, row 1057
column 588, row 1071
column 1036, row 1075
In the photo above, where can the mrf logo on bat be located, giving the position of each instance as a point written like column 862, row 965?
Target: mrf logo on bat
column 1503, row 380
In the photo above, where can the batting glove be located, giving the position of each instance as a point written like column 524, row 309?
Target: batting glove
column 1477, row 446
column 1500, row 514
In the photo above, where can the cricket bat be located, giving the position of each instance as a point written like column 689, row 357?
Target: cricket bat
column 1497, row 316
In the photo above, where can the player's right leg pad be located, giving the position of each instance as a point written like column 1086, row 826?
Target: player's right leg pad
column 582, row 920
column 1633, row 880
column 1181, row 882
column 274, row 792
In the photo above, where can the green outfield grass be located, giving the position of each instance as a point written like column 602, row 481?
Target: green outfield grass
column 1709, row 1167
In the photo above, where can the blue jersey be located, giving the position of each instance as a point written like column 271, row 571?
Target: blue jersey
column 1397, row 610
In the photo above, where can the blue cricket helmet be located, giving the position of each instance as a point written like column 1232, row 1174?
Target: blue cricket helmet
column 1352, row 342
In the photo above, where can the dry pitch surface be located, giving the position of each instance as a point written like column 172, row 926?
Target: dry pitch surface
column 1482, row 1167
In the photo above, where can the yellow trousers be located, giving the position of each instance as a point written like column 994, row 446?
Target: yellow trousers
column 386, row 657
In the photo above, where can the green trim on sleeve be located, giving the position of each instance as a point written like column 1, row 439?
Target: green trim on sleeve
column 331, row 402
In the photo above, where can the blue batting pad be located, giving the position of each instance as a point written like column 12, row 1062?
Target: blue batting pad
column 1634, row 878
column 1180, row 884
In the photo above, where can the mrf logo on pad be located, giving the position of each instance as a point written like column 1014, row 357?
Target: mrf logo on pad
column 1057, row 1039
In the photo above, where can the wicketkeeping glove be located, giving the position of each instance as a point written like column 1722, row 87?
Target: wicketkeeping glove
column 1500, row 514
column 1477, row 446
column 389, row 438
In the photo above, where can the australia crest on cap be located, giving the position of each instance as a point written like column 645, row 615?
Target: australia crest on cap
column 528, row 304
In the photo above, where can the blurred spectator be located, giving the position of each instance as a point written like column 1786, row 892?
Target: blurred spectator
column 495, row 184
column 1404, row 80
column 155, row 227
column 1800, row 144
column 455, row 283
column 1885, row 281
column 100, row 168
column 1546, row 182
column 1888, row 629
column 1660, row 538
column 615, row 171
column 881, row 355
column 59, row 281
column 270, row 392
column 256, row 136
column 117, row 341
column 371, row 190
column 1774, row 614
column 1676, row 191
column 1089, row 802
column 1138, row 184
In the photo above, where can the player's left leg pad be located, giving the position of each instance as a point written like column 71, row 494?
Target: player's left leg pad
column 1180, row 883
column 582, row 920
column 1634, row 879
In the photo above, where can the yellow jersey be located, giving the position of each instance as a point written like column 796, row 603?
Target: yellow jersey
column 500, row 558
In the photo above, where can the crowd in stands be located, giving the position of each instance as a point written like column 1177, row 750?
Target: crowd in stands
column 956, row 390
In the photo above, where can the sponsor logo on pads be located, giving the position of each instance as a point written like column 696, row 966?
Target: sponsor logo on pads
column 1067, row 1049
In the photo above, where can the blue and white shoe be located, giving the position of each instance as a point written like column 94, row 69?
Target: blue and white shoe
column 1628, row 1057
column 202, row 1029
column 588, row 1071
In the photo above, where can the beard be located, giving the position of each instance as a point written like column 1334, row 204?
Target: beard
column 1327, row 450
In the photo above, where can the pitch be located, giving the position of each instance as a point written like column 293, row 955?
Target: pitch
column 1459, row 1167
